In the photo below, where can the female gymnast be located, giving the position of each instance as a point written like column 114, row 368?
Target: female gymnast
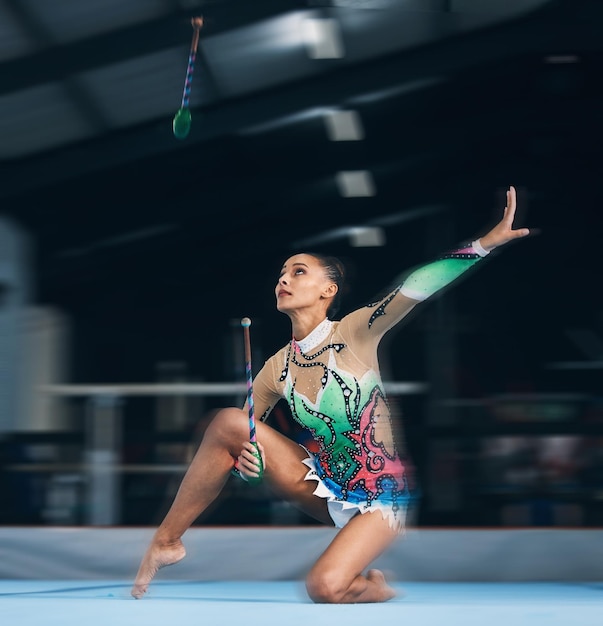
column 329, row 375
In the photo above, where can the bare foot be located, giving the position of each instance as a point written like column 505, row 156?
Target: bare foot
column 376, row 577
column 156, row 557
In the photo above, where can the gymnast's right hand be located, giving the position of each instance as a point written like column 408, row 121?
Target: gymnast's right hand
column 247, row 462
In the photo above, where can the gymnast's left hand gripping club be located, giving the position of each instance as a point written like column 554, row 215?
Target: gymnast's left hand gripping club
column 246, row 323
column 181, row 123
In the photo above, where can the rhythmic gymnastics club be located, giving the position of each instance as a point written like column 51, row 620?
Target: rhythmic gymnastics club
column 181, row 124
column 246, row 323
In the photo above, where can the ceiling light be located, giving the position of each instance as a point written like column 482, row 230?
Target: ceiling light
column 355, row 184
column 366, row 236
column 343, row 126
column 562, row 58
column 323, row 38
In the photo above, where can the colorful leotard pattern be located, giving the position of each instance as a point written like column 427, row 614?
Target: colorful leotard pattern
column 333, row 387
column 357, row 463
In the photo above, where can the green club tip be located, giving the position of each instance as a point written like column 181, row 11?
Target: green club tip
column 182, row 123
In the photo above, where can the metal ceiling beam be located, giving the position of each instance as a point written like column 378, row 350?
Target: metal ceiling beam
column 54, row 63
column 79, row 95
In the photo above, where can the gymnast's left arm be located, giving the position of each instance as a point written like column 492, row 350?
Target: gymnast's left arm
column 424, row 281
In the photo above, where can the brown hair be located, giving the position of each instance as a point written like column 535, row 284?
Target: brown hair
column 336, row 272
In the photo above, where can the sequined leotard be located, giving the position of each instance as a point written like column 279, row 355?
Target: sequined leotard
column 332, row 384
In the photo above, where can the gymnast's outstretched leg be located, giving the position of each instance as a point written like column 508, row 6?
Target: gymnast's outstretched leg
column 207, row 475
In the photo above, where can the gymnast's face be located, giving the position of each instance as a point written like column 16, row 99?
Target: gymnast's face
column 303, row 283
